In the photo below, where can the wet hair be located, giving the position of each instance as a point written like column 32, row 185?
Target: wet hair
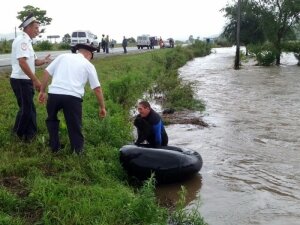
column 145, row 103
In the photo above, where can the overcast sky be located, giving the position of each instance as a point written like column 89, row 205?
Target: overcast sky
column 165, row 18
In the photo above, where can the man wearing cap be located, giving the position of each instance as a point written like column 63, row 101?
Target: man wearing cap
column 23, row 79
column 69, row 73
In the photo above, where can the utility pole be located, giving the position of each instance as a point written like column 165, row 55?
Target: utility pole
column 237, row 54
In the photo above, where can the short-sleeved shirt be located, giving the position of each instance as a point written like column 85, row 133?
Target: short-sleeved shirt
column 70, row 72
column 22, row 47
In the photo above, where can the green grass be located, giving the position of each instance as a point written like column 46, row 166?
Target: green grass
column 37, row 187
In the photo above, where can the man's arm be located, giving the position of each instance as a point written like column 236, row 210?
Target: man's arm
column 44, row 84
column 26, row 69
column 39, row 62
column 157, row 133
column 100, row 98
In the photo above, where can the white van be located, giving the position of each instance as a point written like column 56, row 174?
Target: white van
column 143, row 41
column 84, row 37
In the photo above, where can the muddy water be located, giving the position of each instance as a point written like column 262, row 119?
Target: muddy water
column 251, row 151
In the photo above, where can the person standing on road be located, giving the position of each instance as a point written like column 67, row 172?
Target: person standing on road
column 23, row 79
column 70, row 73
column 103, row 43
column 107, row 44
column 124, row 44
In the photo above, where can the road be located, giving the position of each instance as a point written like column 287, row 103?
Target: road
column 5, row 63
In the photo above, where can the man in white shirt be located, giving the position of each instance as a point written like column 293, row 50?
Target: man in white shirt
column 23, row 79
column 70, row 72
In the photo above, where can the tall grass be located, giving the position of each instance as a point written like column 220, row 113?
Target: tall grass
column 37, row 187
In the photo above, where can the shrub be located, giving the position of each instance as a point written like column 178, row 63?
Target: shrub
column 43, row 46
column 265, row 54
column 265, row 58
column 291, row 46
column 5, row 46
column 63, row 46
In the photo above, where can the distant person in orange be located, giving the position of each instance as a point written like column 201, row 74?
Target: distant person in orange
column 161, row 43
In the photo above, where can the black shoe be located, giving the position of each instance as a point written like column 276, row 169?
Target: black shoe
column 29, row 138
column 78, row 152
column 56, row 150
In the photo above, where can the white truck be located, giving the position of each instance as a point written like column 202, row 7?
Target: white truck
column 143, row 41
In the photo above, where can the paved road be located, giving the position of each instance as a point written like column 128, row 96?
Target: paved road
column 5, row 63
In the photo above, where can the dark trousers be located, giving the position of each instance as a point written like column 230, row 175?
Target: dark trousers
column 125, row 49
column 72, row 109
column 25, row 125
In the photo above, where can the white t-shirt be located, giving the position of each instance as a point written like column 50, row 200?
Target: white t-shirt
column 22, row 47
column 70, row 72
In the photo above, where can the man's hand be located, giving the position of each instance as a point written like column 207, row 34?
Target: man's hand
column 47, row 59
column 102, row 113
column 37, row 84
column 42, row 97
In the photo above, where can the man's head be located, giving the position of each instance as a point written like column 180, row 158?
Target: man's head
column 31, row 26
column 86, row 50
column 144, row 108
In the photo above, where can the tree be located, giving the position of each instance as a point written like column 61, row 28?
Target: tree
column 37, row 12
column 271, row 20
column 191, row 39
column 278, row 17
column 251, row 31
column 131, row 40
column 66, row 39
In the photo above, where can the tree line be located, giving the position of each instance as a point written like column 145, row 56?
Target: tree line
column 267, row 23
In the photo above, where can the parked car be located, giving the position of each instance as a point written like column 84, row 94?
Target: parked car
column 169, row 43
column 166, row 44
column 84, row 37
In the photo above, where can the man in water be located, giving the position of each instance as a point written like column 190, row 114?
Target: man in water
column 149, row 126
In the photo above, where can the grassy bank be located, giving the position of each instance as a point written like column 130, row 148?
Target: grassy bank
column 37, row 187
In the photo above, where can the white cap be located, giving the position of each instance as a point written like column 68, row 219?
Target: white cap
column 28, row 20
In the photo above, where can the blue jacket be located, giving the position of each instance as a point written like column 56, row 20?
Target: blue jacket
column 151, row 129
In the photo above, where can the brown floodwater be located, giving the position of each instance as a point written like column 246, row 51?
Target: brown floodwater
column 251, row 149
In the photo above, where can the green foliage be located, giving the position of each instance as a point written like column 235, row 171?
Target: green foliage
column 8, row 201
column 251, row 31
column 144, row 208
column 6, row 219
column 43, row 46
column 291, row 46
column 265, row 54
column 199, row 49
column 182, row 97
column 127, row 89
column 66, row 39
column 265, row 20
column 181, row 216
column 265, row 58
column 63, row 46
column 177, row 58
column 5, row 46
column 37, row 12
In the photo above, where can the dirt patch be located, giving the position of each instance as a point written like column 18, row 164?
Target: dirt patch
column 183, row 117
column 32, row 212
column 15, row 185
